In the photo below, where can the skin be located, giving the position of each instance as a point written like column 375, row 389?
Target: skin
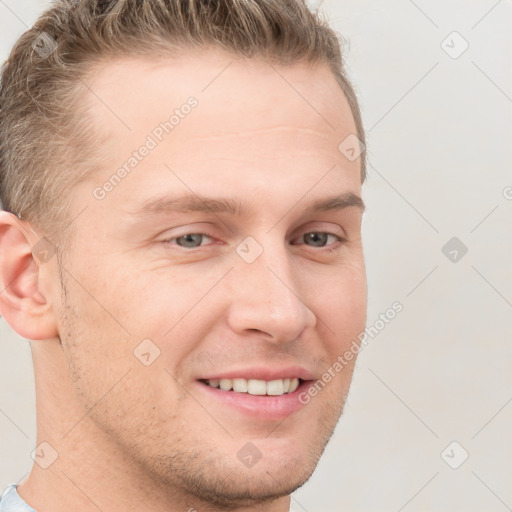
column 135, row 437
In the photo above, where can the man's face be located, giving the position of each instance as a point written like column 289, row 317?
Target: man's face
column 263, row 293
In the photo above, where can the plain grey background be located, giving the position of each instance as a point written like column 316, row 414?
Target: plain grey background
column 434, row 386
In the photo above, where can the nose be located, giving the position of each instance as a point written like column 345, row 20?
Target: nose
column 266, row 297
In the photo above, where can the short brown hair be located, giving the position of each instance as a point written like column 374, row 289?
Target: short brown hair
column 43, row 137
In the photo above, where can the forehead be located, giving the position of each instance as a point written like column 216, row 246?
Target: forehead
column 253, row 123
column 232, row 92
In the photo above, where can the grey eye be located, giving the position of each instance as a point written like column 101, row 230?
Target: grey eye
column 317, row 239
column 190, row 240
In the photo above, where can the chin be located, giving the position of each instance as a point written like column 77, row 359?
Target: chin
column 251, row 486
column 224, row 481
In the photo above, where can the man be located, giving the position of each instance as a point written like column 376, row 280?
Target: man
column 181, row 243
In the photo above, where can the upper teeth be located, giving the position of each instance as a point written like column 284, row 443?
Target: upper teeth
column 256, row 387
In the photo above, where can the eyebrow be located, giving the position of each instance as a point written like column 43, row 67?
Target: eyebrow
column 195, row 203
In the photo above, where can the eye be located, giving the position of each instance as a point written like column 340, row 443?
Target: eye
column 320, row 238
column 190, row 240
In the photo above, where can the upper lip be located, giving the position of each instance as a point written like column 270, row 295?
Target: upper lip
column 263, row 373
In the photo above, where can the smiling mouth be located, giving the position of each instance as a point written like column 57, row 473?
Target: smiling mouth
column 275, row 387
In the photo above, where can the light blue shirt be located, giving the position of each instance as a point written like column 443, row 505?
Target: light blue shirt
column 10, row 501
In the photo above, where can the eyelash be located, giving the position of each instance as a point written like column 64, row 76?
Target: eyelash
column 329, row 248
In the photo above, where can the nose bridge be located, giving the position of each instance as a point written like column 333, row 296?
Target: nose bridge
column 268, row 297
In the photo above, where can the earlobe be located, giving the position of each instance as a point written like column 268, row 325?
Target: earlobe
column 24, row 305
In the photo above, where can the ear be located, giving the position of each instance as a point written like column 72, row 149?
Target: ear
column 25, row 263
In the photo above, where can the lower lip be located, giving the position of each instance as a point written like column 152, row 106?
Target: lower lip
column 263, row 407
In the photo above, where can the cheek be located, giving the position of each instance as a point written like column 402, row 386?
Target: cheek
column 341, row 304
column 157, row 302
column 112, row 376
